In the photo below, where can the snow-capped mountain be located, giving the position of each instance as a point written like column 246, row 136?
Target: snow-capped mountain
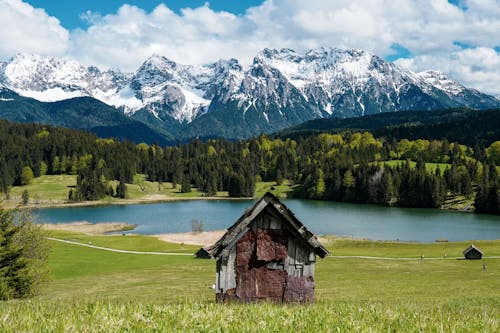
column 183, row 92
column 280, row 88
column 457, row 92
column 49, row 79
column 347, row 83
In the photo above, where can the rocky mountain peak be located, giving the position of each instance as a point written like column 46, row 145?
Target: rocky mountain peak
column 321, row 82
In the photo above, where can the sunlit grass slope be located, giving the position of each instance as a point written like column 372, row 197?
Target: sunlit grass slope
column 98, row 291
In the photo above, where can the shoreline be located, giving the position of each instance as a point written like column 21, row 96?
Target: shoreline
column 163, row 199
column 118, row 202
column 203, row 238
column 89, row 228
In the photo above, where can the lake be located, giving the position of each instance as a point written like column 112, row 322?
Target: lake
column 321, row 217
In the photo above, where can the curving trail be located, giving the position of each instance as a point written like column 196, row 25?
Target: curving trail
column 119, row 251
column 417, row 258
column 190, row 254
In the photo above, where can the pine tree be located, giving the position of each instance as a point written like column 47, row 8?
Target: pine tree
column 386, row 188
column 185, row 185
column 23, row 255
column 348, row 182
column 236, row 184
column 121, row 190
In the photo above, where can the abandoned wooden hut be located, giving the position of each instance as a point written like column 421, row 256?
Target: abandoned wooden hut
column 268, row 254
column 472, row 252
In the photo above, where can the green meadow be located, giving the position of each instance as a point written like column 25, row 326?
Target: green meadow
column 92, row 290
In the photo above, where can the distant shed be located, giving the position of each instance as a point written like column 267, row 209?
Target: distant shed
column 472, row 252
column 204, row 253
column 266, row 255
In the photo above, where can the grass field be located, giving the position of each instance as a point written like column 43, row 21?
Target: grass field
column 51, row 190
column 429, row 166
column 280, row 191
column 97, row 291
column 46, row 188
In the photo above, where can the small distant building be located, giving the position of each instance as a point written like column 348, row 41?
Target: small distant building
column 204, row 253
column 473, row 252
column 268, row 254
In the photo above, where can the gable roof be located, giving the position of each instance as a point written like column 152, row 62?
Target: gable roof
column 470, row 248
column 238, row 229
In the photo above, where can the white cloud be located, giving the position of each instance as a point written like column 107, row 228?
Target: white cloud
column 429, row 29
column 27, row 29
column 131, row 35
column 478, row 67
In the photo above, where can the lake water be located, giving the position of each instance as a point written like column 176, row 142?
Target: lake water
column 366, row 221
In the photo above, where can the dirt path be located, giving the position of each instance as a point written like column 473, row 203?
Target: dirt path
column 203, row 238
column 116, row 250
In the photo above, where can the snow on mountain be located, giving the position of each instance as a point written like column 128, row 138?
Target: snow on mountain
column 265, row 85
column 279, row 83
column 162, row 84
column 344, row 82
column 442, row 82
column 50, row 79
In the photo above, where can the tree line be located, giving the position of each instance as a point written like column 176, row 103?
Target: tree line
column 352, row 167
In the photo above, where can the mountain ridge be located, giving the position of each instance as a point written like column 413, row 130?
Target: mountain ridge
column 83, row 113
column 279, row 89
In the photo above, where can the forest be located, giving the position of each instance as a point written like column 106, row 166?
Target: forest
column 348, row 166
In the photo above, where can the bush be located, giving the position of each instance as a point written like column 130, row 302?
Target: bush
column 23, row 255
column 26, row 176
column 25, row 197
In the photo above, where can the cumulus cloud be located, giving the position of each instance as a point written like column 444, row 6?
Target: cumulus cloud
column 431, row 32
column 478, row 67
column 127, row 38
column 27, row 29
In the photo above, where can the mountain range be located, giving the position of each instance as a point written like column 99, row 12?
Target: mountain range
column 165, row 101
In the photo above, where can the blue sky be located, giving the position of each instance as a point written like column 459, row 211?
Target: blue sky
column 458, row 37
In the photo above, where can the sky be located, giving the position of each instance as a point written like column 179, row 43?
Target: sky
column 458, row 37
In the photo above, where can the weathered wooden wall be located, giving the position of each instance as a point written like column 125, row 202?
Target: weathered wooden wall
column 268, row 262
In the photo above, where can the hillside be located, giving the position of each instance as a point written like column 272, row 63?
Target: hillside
column 98, row 291
column 465, row 126
column 83, row 113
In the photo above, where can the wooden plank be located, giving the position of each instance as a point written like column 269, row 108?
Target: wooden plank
column 231, row 269
column 308, row 270
column 274, row 223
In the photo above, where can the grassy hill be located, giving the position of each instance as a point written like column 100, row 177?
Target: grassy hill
column 52, row 190
column 97, row 291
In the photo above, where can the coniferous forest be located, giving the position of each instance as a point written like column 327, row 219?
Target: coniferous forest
column 350, row 166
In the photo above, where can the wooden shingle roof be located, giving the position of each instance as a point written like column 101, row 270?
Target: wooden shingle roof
column 472, row 247
column 241, row 226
